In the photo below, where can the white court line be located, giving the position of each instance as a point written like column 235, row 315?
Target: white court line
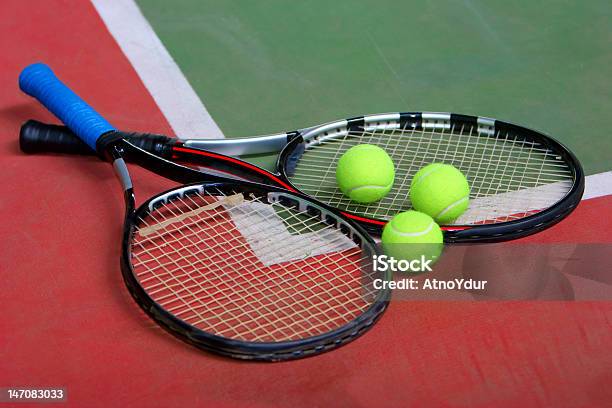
column 161, row 76
column 249, row 216
column 500, row 205
column 598, row 185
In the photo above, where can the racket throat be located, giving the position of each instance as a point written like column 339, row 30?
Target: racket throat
column 243, row 146
column 123, row 175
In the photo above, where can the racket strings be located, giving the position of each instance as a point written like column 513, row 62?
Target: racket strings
column 292, row 248
column 215, row 248
column 510, row 177
column 207, row 269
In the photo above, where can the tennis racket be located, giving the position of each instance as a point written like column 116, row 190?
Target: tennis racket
column 241, row 269
column 522, row 181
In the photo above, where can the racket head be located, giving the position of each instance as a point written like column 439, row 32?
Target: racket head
column 252, row 290
column 522, row 181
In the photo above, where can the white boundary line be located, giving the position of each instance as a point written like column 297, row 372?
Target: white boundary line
column 157, row 70
column 598, row 185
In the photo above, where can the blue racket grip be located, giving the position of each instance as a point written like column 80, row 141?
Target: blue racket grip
column 39, row 81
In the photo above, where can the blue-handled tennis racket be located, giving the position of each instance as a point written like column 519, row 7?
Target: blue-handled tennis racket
column 521, row 181
column 241, row 269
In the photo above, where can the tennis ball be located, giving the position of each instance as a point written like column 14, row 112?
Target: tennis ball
column 441, row 191
column 365, row 173
column 412, row 234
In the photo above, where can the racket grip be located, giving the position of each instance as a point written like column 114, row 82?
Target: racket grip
column 37, row 137
column 38, row 81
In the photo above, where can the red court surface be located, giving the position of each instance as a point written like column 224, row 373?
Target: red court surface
column 67, row 319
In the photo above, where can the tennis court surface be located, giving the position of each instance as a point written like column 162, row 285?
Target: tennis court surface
column 233, row 70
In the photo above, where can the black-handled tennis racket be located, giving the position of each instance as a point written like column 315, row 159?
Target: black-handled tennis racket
column 522, row 181
column 241, row 269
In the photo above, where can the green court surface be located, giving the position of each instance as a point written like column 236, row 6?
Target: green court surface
column 269, row 66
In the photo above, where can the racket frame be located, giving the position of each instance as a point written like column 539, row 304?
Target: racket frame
column 437, row 120
column 118, row 149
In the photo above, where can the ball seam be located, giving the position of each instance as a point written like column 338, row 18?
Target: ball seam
column 370, row 186
column 413, row 234
column 423, row 176
column 450, row 207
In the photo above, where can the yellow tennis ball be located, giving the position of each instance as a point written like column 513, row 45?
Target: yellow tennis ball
column 441, row 191
column 412, row 234
column 365, row 173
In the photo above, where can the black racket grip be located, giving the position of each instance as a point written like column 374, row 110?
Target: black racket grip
column 38, row 137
